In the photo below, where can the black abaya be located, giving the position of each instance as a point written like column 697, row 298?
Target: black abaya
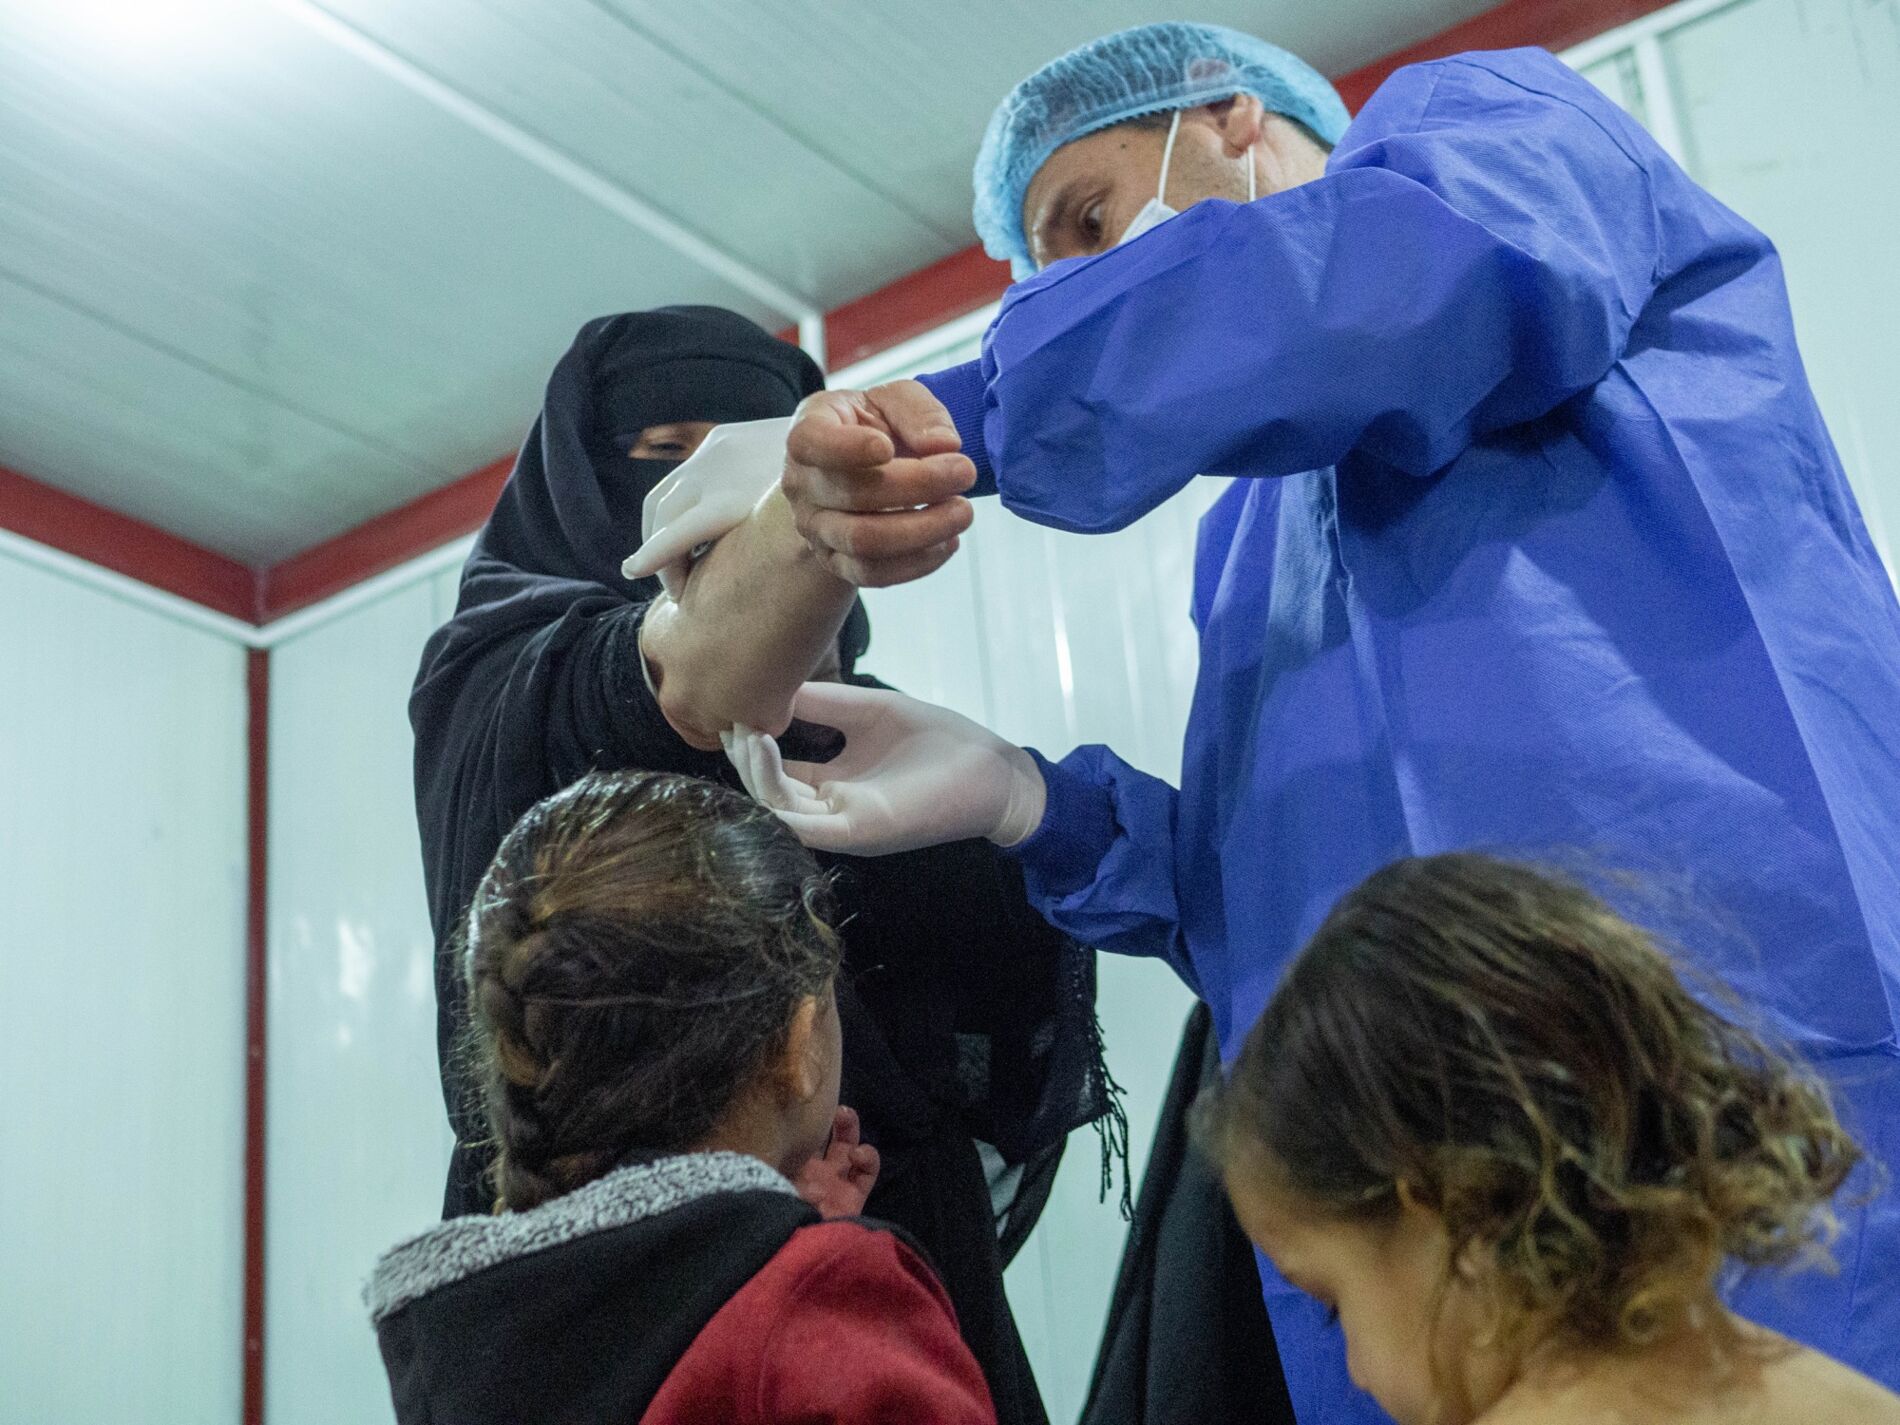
column 965, row 1016
column 1187, row 1339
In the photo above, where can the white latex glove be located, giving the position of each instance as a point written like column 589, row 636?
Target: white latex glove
column 911, row 774
column 713, row 490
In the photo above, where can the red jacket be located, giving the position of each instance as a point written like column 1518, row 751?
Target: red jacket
column 846, row 1323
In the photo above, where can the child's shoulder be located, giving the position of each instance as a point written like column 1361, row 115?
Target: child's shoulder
column 847, row 1321
column 852, row 1252
column 1807, row 1385
column 1792, row 1386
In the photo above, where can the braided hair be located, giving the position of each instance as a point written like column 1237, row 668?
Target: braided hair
column 636, row 951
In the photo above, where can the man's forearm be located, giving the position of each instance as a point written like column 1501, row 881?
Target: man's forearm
column 758, row 616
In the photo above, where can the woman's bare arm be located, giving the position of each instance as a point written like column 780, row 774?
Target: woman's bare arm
column 759, row 615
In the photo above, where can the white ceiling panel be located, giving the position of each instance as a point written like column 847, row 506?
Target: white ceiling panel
column 655, row 119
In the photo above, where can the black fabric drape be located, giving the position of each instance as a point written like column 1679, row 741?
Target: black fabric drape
column 965, row 1015
column 1187, row 1339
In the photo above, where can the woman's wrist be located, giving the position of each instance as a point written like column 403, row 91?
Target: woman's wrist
column 652, row 633
column 1027, row 803
column 776, row 526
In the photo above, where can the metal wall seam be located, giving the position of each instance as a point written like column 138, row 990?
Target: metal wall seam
column 256, row 1009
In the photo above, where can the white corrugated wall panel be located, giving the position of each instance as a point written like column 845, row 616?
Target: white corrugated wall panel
column 1790, row 110
column 122, row 834
column 358, row 1141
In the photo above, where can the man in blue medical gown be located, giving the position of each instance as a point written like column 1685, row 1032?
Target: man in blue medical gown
column 1539, row 544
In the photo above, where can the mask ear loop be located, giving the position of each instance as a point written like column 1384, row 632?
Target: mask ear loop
column 1167, row 156
column 1247, row 158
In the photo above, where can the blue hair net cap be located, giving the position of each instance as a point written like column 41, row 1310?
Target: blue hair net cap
column 1149, row 69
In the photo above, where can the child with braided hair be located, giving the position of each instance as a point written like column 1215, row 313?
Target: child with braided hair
column 1484, row 1126
column 650, row 967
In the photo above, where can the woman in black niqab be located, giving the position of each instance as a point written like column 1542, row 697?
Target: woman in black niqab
column 966, row 1017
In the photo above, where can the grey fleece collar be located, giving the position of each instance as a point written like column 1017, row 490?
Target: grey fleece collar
column 463, row 1246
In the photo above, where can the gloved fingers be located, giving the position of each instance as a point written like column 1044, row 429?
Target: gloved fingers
column 702, row 523
column 651, row 516
column 805, row 786
column 756, row 759
column 841, row 705
column 738, row 743
column 793, row 786
column 826, row 831
column 672, row 499
column 759, row 443
column 673, row 578
column 739, row 460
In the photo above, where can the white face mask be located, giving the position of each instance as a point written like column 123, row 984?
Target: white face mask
column 1156, row 211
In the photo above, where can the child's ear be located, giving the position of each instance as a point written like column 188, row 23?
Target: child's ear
column 1409, row 1199
column 1469, row 1264
column 801, row 1069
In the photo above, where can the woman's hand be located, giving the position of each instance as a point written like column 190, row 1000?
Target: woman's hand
column 838, row 1180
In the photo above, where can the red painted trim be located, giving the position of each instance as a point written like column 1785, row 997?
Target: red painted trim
column 125, row 545
column 1546, row 24
column 916, row 303
column 912, row 305
column 383, row 542
column 256, row 967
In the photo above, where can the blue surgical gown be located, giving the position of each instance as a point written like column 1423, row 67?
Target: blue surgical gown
column 1556, row 559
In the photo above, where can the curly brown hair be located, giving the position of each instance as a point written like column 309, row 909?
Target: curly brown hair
column 638, row 947
column 1530, row 1065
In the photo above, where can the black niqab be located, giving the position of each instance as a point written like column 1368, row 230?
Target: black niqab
column 571, row 508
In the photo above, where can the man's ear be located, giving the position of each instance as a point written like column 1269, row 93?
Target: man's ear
column 1240, row 122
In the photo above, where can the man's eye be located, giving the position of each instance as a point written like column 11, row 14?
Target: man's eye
column 1090, row 223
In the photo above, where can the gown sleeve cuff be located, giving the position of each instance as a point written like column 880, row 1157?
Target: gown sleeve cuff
column 961, row 390
column 1078, row 829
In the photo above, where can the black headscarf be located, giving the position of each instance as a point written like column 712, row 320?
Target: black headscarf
column 572, row 506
